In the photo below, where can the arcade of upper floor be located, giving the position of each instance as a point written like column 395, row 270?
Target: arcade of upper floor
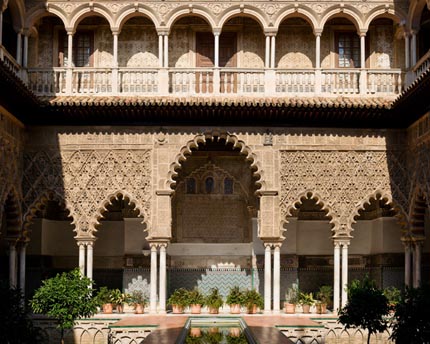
column 274, row 49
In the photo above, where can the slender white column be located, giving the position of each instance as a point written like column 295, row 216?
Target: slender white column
column 336, row 294
column 363, row 50
column 277, row 278
column 160, row 50
column 414, row 49
column 166, row 51
column 22, row 257
column 318, row 50
column 344, row 273
column 267, row 278
column 70, row 49
column 90, row 260
column 19, row 48
column 12, row 264
column 267, row 53
column 25, row 53
column 81, row 246
column 407, row 245
column 216, row 50
column 153, row 290
column 417, row 264
column 407, row 52
column 1, row 26
column 115, row 49
column 162, row 292
column 272, row 52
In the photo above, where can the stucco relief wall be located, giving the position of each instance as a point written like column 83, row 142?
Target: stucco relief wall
column 180, row 45
column 381, row 46
column 43, row 55
column 253, row 46
column 326, row 47
column 103, row 47
column 295, row 46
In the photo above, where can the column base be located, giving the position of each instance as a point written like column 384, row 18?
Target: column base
column 267, row 311
column 162, row 312
column 278, row 311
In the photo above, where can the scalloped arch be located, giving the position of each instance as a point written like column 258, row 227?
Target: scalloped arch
column 417, row 213
column 17, row 12
column 248, row 11
column 414, row 16
column 302, row 11
column 38, row 13
column 184, row 11
column 397, row 15
column 16, row 216
column 310, row 194
column 86, row 10
column 201, row 139
column 388, row 198
column 94, row 220
column 347, row 11
column 129, row 11
column 39, row 202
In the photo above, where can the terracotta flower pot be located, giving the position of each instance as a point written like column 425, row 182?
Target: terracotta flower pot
column 107, row 308
column 120, row 308
column 321, row 308
column 139, row 309
column 306, row 309
column 234, row 309
column 196, row 309
column 290, row 308
column 252, row 309
column 213, row 310
column 176, row 309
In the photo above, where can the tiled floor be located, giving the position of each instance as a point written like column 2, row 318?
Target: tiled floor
column 262, row 326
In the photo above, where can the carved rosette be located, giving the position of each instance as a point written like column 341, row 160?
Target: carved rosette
column 343, row 181
column 86, row 180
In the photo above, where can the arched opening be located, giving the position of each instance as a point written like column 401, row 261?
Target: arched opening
column 424, row 33
column 138, row 48
column 295, row 44
column 214, row 225
column 121, row 251
column 376, row 249
column 9, row 37
column 309, row 246
column 52, row 248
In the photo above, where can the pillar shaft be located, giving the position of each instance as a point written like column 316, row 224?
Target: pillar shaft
column 160, row 50
column 115, row 50
column 417, row 265
column 414, row 49
column 407, row 52
column 90, row 260
column 272, row 52
column 267, row 53
column 407, row 264
column 25, row 52
column 70, row 50
column 12, row 265
column 153, row 290
column 344, row 274
column 166, row 51
column 336, row 283
column 318, row 51
column 267, row 278
column 277, row 278
column 22, row 261
column 162, row 292
column 81, row 258
column 19, row 48
column 216, row 50
column 363, row 51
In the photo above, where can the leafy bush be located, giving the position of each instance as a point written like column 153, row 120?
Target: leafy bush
column 367, row 307
column 179, row 297
column 214, row 299
column 292, row 294
column 235, row 296
column 15, row 324
column 411, row 319
column 252, row 297
column 65, row 297
column 195, row 297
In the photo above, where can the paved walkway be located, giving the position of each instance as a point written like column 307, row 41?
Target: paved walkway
column 262, row 326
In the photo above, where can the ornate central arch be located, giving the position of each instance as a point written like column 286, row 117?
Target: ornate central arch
column 186, row 150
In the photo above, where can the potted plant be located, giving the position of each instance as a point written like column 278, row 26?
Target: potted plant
column 324, row 296
column 291, row 299
column 178, row 300
column 138, row 301
column 104, row 298
column 252, row 300
column 118, row 299
column 195, row 300
column 214, row 301
column 306, row 300
column 235, row 300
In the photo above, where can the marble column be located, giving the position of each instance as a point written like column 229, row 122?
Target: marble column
column 413, row 48
column 153, row 290
column 1, row 26
column 22, row 264
column 267, row 53
column 407, row 51
column 69, row 71
column 362, row 50
column 25, row 51
column 277, row 278
column 166, row 51
column 90, row 250
column 267, row 278
column 344, row 273
column 417, row 263
column 12, row 264
column 115, row 63
column 81, row 246
column 273, row 52
column 216, row 49
column 160, row 50
column 407, row 245
column 19, row 47
column 318, row 50
column 162, row 292
column 336, row 283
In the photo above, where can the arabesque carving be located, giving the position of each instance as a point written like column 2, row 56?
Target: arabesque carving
column 87, row 180
column 342, row 181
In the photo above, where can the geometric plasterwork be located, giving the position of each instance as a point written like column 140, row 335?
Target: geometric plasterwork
column 342, row 182
column 85, row 181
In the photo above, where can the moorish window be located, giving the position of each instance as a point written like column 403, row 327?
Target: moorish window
column 348, row 49
column 191, row 186
column 228, row 186
column 209, row 185
column 83, row 49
